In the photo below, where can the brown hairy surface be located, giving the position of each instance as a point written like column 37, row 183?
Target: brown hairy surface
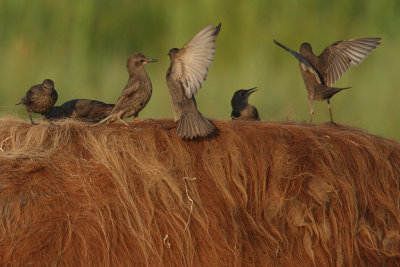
column 258, row 194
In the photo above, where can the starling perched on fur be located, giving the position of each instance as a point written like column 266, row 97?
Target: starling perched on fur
column 321, row 72
column 185, row 76
column 241, row 109
column 136, row 93
column 55, row 113
column 40, row 98
column 85, row 110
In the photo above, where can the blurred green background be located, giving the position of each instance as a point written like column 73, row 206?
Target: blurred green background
column 83, row 46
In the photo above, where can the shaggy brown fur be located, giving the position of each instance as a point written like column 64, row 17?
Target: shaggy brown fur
column 259, row 194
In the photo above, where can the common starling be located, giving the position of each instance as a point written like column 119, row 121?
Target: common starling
column 55, row 113
column 136, row 93
column 241, row 109
column 321, row 72
column 85, row 110
column 185, row 76
column 40, row 98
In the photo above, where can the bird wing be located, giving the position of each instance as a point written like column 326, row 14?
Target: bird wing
column 340, row 56
column 304, row 63
column 125, row 99
column 191, row 63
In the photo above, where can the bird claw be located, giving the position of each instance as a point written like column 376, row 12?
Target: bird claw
column 163, row 126
column 54, row 125
column 130, row 127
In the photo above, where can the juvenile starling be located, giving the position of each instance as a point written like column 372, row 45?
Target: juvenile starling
column 40, row 98
column 241, row 109
column 321, row 72
column 136, row 93
column 85, row 110
column 186, row 73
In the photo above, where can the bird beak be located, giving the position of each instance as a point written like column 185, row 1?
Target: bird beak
column 252, row 90
column 151, row 60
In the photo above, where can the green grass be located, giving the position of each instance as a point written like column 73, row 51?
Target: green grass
column 83, row 47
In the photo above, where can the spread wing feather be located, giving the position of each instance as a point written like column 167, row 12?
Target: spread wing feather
column 340, row 56
column 191, row 63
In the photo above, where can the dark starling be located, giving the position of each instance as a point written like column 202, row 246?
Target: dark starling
column 40, row 98
column 55, row 113
column 85, row 110
column 321, row 72
column 136, row 93
column 241, row 109
column 186, row 73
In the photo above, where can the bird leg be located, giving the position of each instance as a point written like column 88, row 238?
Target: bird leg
column 123, row 122
column 126, row 124
column 330, row 110
column 177, row 111
column 30, row 116
column 311, row 109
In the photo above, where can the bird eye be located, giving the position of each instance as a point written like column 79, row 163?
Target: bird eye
column 142, row 60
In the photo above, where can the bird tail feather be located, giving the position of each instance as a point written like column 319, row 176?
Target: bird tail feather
column 332, row 91
column 193, row 124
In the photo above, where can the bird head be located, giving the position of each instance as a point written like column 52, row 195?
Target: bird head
column 48, row 84
column 241, row 97
column 138, row 60
column 305, row 49
column 172, row 53
column 55, row 113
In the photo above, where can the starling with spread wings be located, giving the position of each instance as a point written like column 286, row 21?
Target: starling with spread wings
column 321, row 72
column 40, row 98
column 185, row 76
column 136, row 93
column 241, row 109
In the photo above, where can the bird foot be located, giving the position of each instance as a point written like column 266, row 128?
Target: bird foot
column 54, row 125
column 163, row 126
column 130, row 127
column 333, row 123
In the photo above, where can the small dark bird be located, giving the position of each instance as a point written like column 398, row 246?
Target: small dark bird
column 185, row 76
column 136, row 93
column 321, row 72
column 91, row 111
column 40, row 98
column 55, row 113
column 241, row 109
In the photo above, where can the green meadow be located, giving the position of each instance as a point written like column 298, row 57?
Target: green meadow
column 83, row 46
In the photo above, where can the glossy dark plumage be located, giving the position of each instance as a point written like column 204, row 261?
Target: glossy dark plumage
column 91, row 111
column 40, row 98
column 185, row 76
column 136, row 93
column 55, row 113
column 241, row 109
column 321, row 72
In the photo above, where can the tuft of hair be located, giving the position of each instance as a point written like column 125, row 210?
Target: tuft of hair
column 258, row 194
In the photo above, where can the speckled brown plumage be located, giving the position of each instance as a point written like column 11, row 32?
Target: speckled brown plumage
column 185, row 76
column 40, row 98
column 241, row 109
column 321, row 72
column 136, row 93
